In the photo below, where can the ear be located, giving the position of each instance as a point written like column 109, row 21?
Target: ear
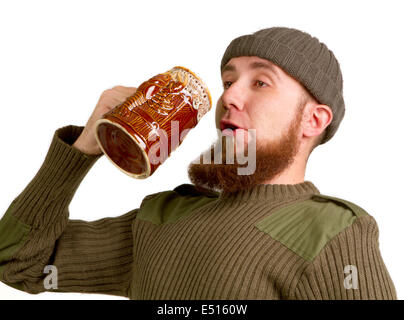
column 317, row 119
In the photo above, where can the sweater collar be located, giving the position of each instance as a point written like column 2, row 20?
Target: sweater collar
column 272, row 192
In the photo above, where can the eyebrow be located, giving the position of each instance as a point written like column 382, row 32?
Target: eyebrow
column 254, row 65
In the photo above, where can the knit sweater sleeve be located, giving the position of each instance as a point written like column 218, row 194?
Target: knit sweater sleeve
column 350, row 267
column 42, row 250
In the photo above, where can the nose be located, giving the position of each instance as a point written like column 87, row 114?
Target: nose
column 232, row 97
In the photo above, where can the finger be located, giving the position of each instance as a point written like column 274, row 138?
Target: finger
column 119, row 96
column 125, row 90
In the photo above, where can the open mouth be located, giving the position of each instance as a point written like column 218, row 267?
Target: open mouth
column 232, row 131
column 230, row 126
column 225, row 124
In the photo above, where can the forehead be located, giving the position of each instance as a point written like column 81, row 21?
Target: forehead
column 243, row 63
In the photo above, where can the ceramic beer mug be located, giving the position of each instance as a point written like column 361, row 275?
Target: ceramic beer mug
column 139, row 134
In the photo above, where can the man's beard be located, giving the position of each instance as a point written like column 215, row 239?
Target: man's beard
column 272, row 158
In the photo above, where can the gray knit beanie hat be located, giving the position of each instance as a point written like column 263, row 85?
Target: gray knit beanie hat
column 303, row 57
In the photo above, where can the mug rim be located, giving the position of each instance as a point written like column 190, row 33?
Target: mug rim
column 143, row 175
column 205, row 87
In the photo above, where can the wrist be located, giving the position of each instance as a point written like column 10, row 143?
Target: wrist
column 83, row 147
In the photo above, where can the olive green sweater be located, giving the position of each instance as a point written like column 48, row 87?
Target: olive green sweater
column 270, row 242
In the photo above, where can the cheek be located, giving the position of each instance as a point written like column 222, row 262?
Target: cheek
column 267, row 122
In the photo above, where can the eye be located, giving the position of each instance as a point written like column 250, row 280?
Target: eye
column 260, row 83
column 226, row 84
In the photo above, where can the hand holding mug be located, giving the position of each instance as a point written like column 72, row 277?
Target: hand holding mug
column 108, row 100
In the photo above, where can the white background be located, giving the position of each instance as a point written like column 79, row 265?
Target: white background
column 57, row 57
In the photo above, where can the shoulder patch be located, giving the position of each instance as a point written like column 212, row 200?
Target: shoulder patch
column 306, row 226
column 169, row 206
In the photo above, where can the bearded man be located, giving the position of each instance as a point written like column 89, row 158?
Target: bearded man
column 267, row 234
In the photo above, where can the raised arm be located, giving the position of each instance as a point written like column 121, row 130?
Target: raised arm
column 36, row 232
column 38, row 239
